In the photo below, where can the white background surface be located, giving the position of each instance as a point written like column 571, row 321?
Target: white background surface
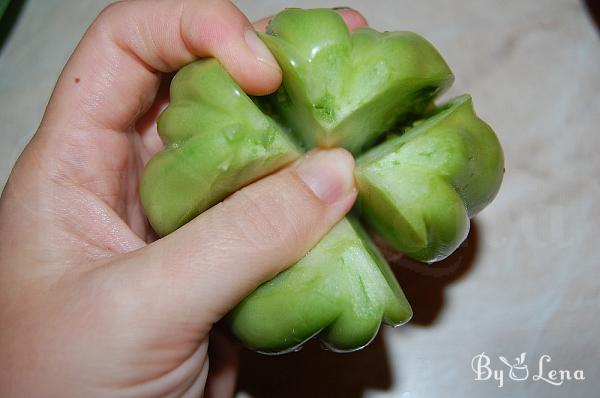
column 526, row 279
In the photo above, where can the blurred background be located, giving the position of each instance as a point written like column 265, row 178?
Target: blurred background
column 526, row 279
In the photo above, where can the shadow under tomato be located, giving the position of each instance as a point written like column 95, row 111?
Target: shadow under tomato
column 424, row 285
column 9, row 19
column 593, row 8
column 314, row 372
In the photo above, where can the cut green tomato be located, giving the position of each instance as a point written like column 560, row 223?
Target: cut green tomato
column 417, row 213
column 217, row 142
column 344, row 88
column 342, row 289
column 419, row 189
column 339, row 88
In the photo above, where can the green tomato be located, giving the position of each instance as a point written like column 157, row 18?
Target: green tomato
column 342, row 289
column 344, row 89
column 419, row 189
column 217, row 140
column 340, row 88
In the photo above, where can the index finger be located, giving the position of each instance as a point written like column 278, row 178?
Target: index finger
column 353, row 19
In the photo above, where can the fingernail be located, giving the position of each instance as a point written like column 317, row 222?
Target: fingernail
column 259, row 48
column 328, row 173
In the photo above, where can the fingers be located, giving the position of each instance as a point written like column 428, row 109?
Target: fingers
column 113, row 75
column 261, row 25
column 353, row 19
column 206, row 267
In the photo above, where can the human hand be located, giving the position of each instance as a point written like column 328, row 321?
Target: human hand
column 88, row 306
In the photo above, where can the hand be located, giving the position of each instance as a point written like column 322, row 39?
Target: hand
column 88, row 306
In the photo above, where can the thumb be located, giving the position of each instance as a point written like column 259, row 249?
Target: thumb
column 205, row 268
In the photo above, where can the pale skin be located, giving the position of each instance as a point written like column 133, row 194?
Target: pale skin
column 90, row 303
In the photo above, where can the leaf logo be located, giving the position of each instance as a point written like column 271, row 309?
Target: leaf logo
column 519, row 371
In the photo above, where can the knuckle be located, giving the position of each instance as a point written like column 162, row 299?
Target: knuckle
column 110, row 10
column 106, row 18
